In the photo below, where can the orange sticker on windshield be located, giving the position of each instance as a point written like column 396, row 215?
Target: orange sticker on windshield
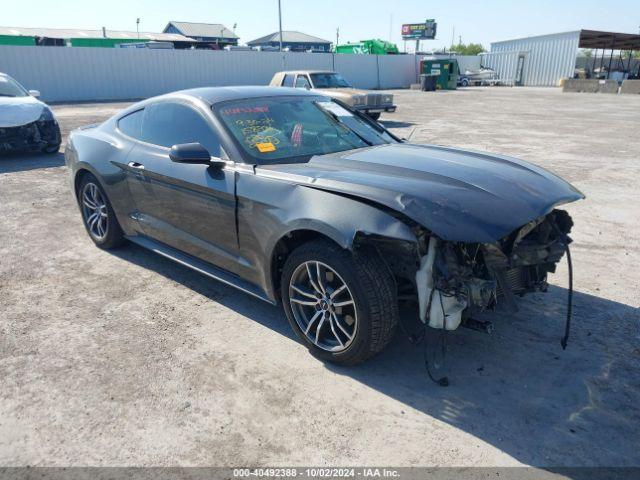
column 266, row 147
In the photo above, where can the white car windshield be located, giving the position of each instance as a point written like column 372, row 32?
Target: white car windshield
column 10, row 88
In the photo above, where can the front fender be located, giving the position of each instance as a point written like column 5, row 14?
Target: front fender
column 284, row 207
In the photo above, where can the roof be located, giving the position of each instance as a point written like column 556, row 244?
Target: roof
column 65, row 33
column 538, row 37
column 213, row 95
column 191, row 29
column 288, row 37
column 593, row 39
column 305, row 71
column 609, row 40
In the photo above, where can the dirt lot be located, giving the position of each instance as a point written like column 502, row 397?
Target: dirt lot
column 125, row 358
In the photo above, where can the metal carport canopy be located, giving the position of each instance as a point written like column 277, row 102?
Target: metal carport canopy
column 609, row 40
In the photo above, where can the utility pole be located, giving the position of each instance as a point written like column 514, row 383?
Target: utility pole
column 453, row 36
column 138, row 27
column 280, row 23
column 337, row 36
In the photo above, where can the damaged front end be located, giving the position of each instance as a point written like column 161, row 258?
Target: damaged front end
column 33, row 136
column 456, row 280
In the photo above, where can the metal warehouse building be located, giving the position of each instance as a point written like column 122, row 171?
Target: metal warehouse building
column 534, row 61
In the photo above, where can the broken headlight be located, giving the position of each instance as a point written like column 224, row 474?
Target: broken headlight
column 47, row 115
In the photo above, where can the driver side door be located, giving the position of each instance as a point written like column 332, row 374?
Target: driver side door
column 190, row 207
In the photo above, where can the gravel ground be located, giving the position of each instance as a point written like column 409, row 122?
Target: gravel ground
column 124, row 358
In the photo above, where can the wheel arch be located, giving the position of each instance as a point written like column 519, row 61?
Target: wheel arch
column 77, row 179
column 351, row 240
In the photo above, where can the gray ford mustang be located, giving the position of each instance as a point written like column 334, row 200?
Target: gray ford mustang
column 293, row 197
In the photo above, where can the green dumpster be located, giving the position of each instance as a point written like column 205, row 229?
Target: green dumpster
column 446, row 70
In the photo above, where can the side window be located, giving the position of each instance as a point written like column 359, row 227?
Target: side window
column 169, row 124
column 288, row 80
column 130, row 124
column 302, row 82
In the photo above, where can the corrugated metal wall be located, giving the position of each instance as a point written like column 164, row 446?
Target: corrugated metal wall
column 79, row 74
column 468, row 62
column 547, row 58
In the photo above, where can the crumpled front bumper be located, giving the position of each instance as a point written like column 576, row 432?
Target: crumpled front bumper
column 33, row 136
column 457, row 279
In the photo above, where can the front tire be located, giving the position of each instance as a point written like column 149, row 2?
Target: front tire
column 374, row 116
column 98, row 216
column 342, row 305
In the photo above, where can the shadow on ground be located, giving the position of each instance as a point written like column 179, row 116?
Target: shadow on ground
column 30, row 161
column 561, row 404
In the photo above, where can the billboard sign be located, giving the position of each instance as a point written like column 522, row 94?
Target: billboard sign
column 420, row 31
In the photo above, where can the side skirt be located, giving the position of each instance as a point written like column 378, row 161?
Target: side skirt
column 204, row 268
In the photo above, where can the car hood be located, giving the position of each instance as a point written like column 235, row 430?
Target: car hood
column 17, row 111
column 458, row 195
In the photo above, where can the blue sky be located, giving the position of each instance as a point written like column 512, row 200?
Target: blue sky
column 480, row 21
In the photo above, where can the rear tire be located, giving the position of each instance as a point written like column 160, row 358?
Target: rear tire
column 51, row 149
column 98, row 216
column 362, row 317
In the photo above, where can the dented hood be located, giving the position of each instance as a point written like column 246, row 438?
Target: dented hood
column 18, row 111
column 458, row 195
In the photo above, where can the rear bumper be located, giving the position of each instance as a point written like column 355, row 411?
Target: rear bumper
column 375, row 108
column 30, row 137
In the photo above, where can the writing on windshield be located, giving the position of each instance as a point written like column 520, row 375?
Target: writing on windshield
column 284, row 128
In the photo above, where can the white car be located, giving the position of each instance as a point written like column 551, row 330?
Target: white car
column 26, row 123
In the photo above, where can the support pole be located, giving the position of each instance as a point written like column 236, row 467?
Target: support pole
column 613, row 42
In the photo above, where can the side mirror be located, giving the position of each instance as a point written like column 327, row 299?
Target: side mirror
column 193, row 153
column 34, row 93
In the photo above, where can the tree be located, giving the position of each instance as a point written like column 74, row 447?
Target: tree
column 587, row 52
column 470, row 49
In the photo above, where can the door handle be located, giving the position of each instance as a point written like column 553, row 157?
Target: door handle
column 136, row 165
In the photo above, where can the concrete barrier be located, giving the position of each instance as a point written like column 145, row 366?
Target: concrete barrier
column 608, row 86
column 590, row 86
column 630, row 86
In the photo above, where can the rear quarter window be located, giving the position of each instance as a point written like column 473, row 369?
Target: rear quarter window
column 131, row 125
column 288, row 81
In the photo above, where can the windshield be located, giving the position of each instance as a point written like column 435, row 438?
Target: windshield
column 284, row 129
column 329, row 80
column 10, row 88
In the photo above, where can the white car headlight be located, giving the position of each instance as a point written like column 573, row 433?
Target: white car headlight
column 46, row 115
column 387, row 99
